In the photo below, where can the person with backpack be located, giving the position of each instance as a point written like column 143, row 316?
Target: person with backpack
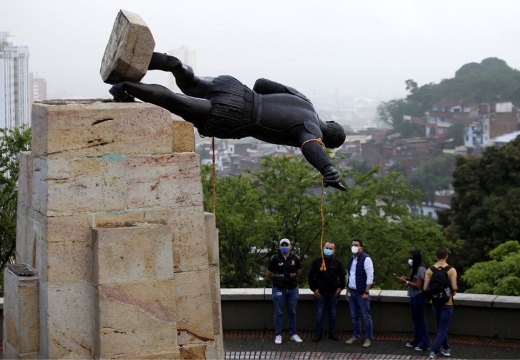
column 440, row 283
column 414, row 283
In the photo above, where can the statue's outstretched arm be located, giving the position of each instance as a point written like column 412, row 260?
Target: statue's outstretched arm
column 315, row 154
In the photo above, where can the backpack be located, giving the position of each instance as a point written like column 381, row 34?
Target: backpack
column 439, row 289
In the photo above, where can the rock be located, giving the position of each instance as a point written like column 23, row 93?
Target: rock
column 129, row 49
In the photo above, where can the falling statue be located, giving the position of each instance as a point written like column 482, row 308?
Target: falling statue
column 225, row 108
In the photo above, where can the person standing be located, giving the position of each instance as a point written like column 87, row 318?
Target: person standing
column 360, row 275
column 443, row 311
column 326, row 286
column 284, row 270
column 414, row 283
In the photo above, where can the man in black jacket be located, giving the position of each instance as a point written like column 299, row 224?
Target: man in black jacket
column 225, row 108
column 284, row 270
column 326, row 285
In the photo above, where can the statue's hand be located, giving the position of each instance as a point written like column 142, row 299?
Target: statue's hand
column 119, row 94
column 331, row 178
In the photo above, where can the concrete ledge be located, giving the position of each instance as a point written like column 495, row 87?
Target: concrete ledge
column 475, row 314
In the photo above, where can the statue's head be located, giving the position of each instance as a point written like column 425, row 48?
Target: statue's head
column 333, row 134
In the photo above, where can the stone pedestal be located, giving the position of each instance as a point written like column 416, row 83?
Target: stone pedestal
column 110, row 217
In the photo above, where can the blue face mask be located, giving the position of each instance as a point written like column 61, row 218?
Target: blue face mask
column 284, row 249
column 328, row 252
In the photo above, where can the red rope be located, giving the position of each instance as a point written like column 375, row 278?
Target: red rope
column 323, row 267
column 214, row 178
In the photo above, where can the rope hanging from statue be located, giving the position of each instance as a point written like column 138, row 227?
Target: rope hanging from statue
column 323, row 267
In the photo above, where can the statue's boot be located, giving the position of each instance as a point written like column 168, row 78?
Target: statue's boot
column 119, row 94
column 164, row 62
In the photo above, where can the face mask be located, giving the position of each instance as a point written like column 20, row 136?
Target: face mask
column 328, row 252
column 354, row 249
column 410, row 262
column 284, row 249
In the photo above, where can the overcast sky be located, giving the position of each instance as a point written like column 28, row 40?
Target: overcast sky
column 355, row 47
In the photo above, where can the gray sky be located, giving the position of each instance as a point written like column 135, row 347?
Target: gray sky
column 355, row 47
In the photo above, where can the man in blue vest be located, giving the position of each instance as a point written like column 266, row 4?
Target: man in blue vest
column 360, row 278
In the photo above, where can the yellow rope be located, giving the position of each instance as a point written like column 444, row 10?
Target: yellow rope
column 323, row 267
column 318, row 140
column 214, row 178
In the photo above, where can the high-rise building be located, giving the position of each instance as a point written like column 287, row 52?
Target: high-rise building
column 15, row 98
column 187, row 57
column 38, row 88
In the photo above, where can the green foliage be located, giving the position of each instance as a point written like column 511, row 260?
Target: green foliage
column 436, row 174
column 485, row 210
column 500, row 275
column 282, row 199
column 375, row 211
column 392, row 112
column 11, row 143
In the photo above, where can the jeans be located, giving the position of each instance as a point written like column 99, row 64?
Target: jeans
column 289, row 299
column 421, row 337
column 443, row 314
column 326, row 300
column 360, row 307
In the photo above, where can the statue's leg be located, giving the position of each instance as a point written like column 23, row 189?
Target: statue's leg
column 191, row 109
column 184, row 77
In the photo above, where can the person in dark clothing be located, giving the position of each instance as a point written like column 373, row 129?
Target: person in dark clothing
column 326, row 286
column 414, row 283
column 223, row 107
column 284, row 270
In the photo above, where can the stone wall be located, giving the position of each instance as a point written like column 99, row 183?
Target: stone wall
column 110, row 216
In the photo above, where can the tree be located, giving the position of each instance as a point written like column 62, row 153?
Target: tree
column 392, row 113
column 281, row 199
column 498, row 276
column 375, row 210
column 287, row 184
column 485, row 208
column 434, row 175
column 11, row 143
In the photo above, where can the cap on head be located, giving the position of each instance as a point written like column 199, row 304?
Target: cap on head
column 334, row 134
column 285, row 241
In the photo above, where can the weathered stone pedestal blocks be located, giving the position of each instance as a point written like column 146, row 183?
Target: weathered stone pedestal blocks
column 110, row 217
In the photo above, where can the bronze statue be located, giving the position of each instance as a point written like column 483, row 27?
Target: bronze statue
column 225, row 108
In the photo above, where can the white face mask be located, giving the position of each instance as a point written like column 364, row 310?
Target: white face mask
column 410, row 262
column 355, row 249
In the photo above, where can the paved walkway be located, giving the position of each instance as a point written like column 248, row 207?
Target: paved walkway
column 260, row 345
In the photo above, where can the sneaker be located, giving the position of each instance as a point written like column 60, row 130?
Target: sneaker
column 446, row 352
column 316, row 338
column 278, row 339
column 433, row 355
column 418, row 348
column 409, row 344
column 367, row 343
column 352, row 340
column 296, row 338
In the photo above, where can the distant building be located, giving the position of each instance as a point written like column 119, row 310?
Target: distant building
column 15, row 97
column 38, row 87
column 187, row 57
column 495, row 119
column 444, row 114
